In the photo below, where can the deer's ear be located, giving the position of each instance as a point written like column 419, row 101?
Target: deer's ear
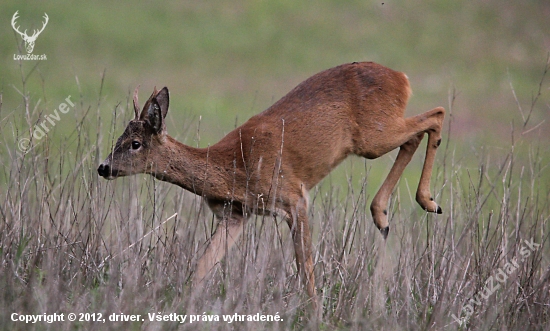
column 154, row 116
column 163, row 100
column 157, row 110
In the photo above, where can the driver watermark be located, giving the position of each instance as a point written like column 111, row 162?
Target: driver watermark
column 40, row 129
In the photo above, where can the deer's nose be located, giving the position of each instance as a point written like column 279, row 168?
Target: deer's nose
column 103, row 170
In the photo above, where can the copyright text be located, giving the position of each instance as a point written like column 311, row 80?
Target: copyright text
column 149, row 317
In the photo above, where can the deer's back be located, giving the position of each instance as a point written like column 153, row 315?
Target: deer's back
column 317, row 124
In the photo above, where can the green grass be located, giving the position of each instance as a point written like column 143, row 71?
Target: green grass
column 72, row 242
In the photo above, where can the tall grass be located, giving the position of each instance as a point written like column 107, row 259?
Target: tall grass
column 71, row 242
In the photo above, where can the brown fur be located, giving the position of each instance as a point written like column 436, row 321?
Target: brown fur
column 268, row 164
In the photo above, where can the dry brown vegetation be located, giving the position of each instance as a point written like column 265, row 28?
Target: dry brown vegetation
column 71, row 242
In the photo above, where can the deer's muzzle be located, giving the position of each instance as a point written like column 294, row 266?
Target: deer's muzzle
column 106, row 171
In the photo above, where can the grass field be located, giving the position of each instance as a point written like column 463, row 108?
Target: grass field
column 71, row 242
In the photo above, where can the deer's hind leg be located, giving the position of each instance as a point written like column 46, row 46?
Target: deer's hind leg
column 423, row 195
column 412, row 133
column 379, row 205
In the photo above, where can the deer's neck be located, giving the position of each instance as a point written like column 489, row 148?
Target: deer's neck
column 190, row 168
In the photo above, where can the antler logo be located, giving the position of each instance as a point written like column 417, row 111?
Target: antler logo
column 29, row 40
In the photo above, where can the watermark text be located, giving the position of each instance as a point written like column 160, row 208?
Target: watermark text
column 494, row 282
column 40, row 129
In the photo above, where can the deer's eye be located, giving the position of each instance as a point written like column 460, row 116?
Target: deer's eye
column 136, row 144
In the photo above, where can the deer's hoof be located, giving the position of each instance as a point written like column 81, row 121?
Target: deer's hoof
column 385, row 231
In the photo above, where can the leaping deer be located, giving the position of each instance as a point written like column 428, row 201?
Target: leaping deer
column 29, row 40
column 267, row 165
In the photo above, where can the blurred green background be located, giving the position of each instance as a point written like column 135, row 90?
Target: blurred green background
column 224, row 61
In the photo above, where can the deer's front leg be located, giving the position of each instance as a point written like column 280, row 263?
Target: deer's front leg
column 301, row 237
column 224, row 237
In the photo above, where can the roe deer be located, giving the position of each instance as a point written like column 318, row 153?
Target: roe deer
column 267, row 165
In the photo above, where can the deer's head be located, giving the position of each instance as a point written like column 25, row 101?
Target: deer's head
column 29, row 40
column 138, row 148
